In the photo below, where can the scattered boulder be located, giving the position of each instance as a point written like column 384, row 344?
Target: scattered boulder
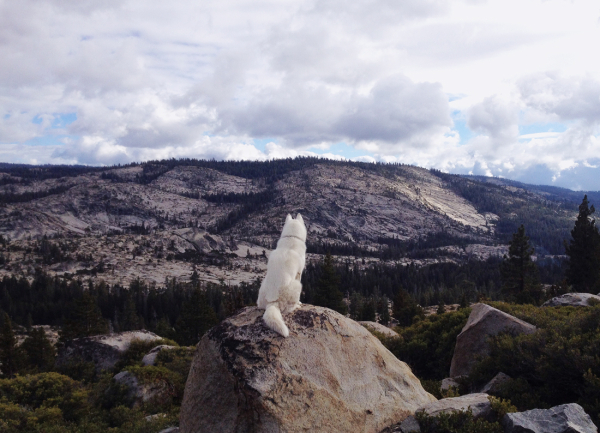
column 479, row 403
column 378, row 327
column 331, row 374
column 150, row 357
column 572, row 299
column 493, row 386
column 141, row 392
column 471, row 344
column 449, row 382
column 103, row 350
column 566, row 418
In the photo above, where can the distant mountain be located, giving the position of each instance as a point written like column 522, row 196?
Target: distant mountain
column 162, row 219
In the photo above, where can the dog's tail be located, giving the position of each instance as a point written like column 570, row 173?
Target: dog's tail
column 274, row 320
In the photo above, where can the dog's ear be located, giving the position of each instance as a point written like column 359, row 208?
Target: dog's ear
column 288, row 218
column 299, row 218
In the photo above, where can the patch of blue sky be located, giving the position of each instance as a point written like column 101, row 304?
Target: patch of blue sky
column 63, row 120
column 342, row 149
column 50, row 140
column 6, row 116
column 536, row 128
column 261, row 143
column 460, row 126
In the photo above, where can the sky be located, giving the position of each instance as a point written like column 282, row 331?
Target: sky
column 507, row 88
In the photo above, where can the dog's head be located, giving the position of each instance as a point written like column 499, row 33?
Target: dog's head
column 294, row 227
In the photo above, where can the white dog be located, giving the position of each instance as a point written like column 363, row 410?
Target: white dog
column 280, row 290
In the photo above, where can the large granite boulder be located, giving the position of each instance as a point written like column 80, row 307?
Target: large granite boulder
column 103, row 350
column 471, row 344
column 495, row 385
column 479, row 404
column 331, row 374
column 566, row 418
column 572, row 299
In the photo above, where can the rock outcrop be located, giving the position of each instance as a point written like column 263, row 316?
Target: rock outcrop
column 471, row 343
column 479, row 403
column 566, row 418
column 103, row 350
column 150, row 357
column 331, row 374
column 494, row 385
column 572, row 299
column 139, row 392
column 378, row 327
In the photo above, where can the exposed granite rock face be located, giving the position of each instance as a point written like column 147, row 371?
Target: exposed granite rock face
column 471, row 344
column 566, row 418
column 150, row 357
column 493, row 386
column 331, row 374
column 103, row 350
column 378, row 327
column 572, row 299
column 479, row 403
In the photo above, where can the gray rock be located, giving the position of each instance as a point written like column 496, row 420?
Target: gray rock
column 139, row 392
column 170, row 430
column 479, row 403
column 103, row 350
column 378, row 327
column 331, row 374
column 572, row 299
column 566, row 418
column 471, row 344
column 449, row 382
column 493, row 386
column 150, row 357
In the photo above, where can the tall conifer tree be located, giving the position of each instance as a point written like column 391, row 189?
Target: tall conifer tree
column 583, row 271
column 11, row 356
column 520, row 281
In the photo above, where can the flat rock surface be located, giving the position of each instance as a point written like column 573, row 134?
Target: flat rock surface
column 572, row 299
column 103, row 350
column 471, row 344
column 479, row 403
column 330, row 375
column 566, row 418
column 378, row 327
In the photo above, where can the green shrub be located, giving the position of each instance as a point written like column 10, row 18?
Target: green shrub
column 137, row 349
column 177, row 360
column 456, row 422
column 557, row 364
column 428, row 345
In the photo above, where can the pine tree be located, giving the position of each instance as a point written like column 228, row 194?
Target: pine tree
column 86, row 319
column 39, row 351
column 519, row 272
column 197, row 317
column 405, row 308
column 130, row 321
column 441, row 309
column 328, row 293
column 583, row 271
column 11, row 356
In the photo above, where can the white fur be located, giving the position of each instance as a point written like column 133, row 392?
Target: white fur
column 280, row 290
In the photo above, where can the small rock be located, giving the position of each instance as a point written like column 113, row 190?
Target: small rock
column 471, row 344
column 479, row 403
column 449, row 382
column 566, row 418
column 572, row 299
column 493, row 386
column 170, row 430
column 150, row 357
column 378, row 327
